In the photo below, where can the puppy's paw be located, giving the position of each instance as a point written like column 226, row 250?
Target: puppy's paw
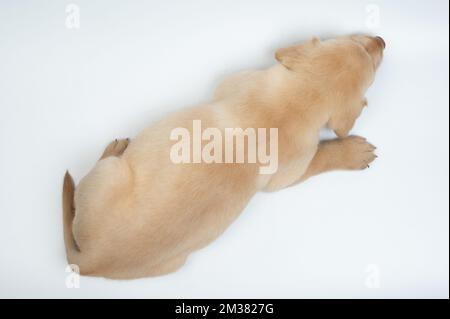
column 116, row 147
column 357, row 153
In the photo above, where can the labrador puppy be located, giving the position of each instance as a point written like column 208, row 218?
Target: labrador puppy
column 141, row 213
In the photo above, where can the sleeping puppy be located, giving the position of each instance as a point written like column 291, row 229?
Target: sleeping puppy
column 141, row 213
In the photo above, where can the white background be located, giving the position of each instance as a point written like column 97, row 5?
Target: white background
column 65, row 93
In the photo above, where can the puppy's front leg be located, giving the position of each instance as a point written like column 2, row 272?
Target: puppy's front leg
column 115, row 148
column 349, row 153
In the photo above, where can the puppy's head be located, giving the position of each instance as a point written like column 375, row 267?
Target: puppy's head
column 343, row 67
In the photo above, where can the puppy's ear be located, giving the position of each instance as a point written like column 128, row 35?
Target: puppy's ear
column 343, row 119
column 292, row 56
column 343, row 128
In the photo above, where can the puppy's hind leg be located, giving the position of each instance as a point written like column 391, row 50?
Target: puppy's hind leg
column 115, row 148
column 142, row 269
column 168, row 267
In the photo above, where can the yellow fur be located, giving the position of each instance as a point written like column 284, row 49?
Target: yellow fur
column 137, row 214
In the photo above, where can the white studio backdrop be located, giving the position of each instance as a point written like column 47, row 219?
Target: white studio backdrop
column 75, row 75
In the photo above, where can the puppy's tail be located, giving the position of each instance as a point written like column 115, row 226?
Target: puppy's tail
column 72, row 250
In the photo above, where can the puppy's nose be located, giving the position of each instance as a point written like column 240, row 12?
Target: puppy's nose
column 381, row 41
